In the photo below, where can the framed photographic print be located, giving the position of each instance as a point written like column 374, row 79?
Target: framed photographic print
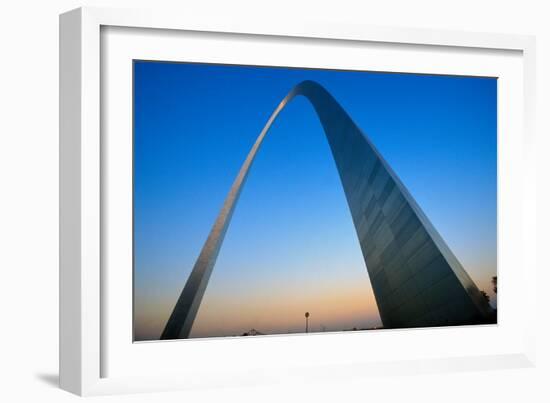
column 237, row 197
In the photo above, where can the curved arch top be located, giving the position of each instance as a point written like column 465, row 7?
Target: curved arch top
column 416, row 279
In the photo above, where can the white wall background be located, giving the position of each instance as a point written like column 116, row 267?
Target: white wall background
column 29, row 197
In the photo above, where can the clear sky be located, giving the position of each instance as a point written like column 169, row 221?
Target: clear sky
column 291, row 246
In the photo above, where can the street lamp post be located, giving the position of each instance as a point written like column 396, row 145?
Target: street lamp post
column 307, row 319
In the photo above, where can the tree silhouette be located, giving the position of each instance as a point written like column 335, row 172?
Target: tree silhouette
column 485, row 296
column 494, row 282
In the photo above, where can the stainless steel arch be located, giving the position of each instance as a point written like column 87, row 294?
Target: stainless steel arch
column 416, row 279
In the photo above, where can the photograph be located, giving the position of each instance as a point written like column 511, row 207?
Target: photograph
column 274, row 200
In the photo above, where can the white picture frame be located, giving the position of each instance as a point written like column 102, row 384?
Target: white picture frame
column 85, row 311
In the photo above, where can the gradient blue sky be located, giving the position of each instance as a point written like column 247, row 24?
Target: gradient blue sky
column 291, row 246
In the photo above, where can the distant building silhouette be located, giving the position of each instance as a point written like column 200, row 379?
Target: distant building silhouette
column 252, row 332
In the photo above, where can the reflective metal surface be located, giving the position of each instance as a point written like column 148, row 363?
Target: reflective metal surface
column 416, row 279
